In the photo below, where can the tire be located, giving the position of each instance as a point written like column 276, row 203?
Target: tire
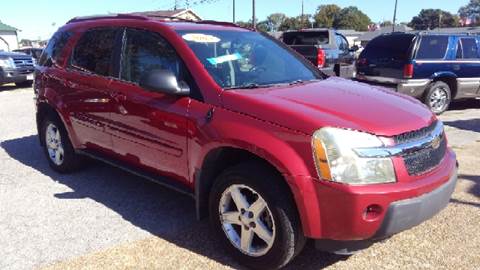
column 255, row 183
column 24, row 84
column 58, row 149
column 438, row 97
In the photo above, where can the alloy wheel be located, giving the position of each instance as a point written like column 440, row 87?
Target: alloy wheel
column 54, row 145
column 246, row 220
column 438, row 99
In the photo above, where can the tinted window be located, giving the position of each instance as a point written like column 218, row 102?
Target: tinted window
column 306, row 38
column 94, row 51
column 242, row 59
column 395, row 47
column 51, row 54
column 145, row 51
column 470, row 49
column 432, row 47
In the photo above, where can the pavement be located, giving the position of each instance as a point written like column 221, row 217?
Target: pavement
column 104, row 218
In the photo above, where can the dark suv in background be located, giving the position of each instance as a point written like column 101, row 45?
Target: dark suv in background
column 16, row 68
column 435, row 68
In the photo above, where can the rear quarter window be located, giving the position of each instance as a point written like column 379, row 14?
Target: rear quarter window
column 432, row 47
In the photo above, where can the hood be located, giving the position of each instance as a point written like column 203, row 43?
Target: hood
column 12, row 54
column 332, row 102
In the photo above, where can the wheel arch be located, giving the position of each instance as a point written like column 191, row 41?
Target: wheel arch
column 45, row 109
column 449, row 78
column 220, row 158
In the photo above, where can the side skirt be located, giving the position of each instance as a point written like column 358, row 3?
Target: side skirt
column 159, row 179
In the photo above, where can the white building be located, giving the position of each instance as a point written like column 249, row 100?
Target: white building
column 8, row 37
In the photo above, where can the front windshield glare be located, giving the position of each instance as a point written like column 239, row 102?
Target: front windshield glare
column 237, row 59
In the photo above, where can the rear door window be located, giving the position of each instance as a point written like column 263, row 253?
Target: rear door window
column 432, row 47
column 388, row 47
column 470, row 49
column 306, row 38
column 94, row 52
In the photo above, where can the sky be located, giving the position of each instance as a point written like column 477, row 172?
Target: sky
column 40, row 18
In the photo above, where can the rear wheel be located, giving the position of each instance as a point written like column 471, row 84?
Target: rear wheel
column 57, row 147
column 252, row 217
column 438, row 97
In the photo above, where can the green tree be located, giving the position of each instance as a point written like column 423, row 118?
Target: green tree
column 471, row 10
column 326, row 15
column 433, row 18
column 275, row 20
column 352, row 18
column 295, row 23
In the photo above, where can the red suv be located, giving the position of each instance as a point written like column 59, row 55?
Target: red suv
column 269, row 148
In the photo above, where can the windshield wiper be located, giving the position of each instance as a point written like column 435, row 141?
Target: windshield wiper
column 250, row 86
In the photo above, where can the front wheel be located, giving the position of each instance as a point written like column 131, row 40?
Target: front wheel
column 253, row 218
column 438, row 97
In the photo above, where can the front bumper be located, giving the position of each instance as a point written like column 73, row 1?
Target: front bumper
column 15, row 75
column 400, row 216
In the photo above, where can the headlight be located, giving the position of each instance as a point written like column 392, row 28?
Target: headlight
column 337, row 161
column 7, row 63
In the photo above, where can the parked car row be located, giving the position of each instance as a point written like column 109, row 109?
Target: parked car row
column 271, row 150
column 434, row 68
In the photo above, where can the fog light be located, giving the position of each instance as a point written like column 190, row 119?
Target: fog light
column 372, row 212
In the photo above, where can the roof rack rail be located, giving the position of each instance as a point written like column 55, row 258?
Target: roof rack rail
column 106, row 17
column 218, row 23
column 151, row 16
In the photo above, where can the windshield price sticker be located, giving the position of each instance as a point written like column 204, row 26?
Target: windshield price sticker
column 201, row 38
column 224, row 58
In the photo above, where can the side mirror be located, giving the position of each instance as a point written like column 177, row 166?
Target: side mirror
column 354, row 48
column 164, row 81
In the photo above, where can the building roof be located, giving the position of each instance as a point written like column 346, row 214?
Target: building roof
column 180, row 13
column 7, row 28
column 386, row 29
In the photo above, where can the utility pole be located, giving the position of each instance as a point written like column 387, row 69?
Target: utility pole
column 253, row 15
column 394, row 16
column 175, row 5
column 440, row 20
column 233, row 11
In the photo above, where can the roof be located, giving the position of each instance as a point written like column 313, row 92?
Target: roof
column 7, row 28
column 367, row 36
column 458, row 30
column 180, row 13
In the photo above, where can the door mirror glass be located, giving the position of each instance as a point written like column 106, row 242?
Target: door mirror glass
column 164, row 81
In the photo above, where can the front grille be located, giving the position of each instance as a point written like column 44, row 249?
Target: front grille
column 423, row 160
column 23, row 62
column 415, row 135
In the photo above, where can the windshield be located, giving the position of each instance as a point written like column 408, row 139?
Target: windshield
column 237, row 59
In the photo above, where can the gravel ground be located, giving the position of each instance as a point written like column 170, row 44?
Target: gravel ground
column 103, row 218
